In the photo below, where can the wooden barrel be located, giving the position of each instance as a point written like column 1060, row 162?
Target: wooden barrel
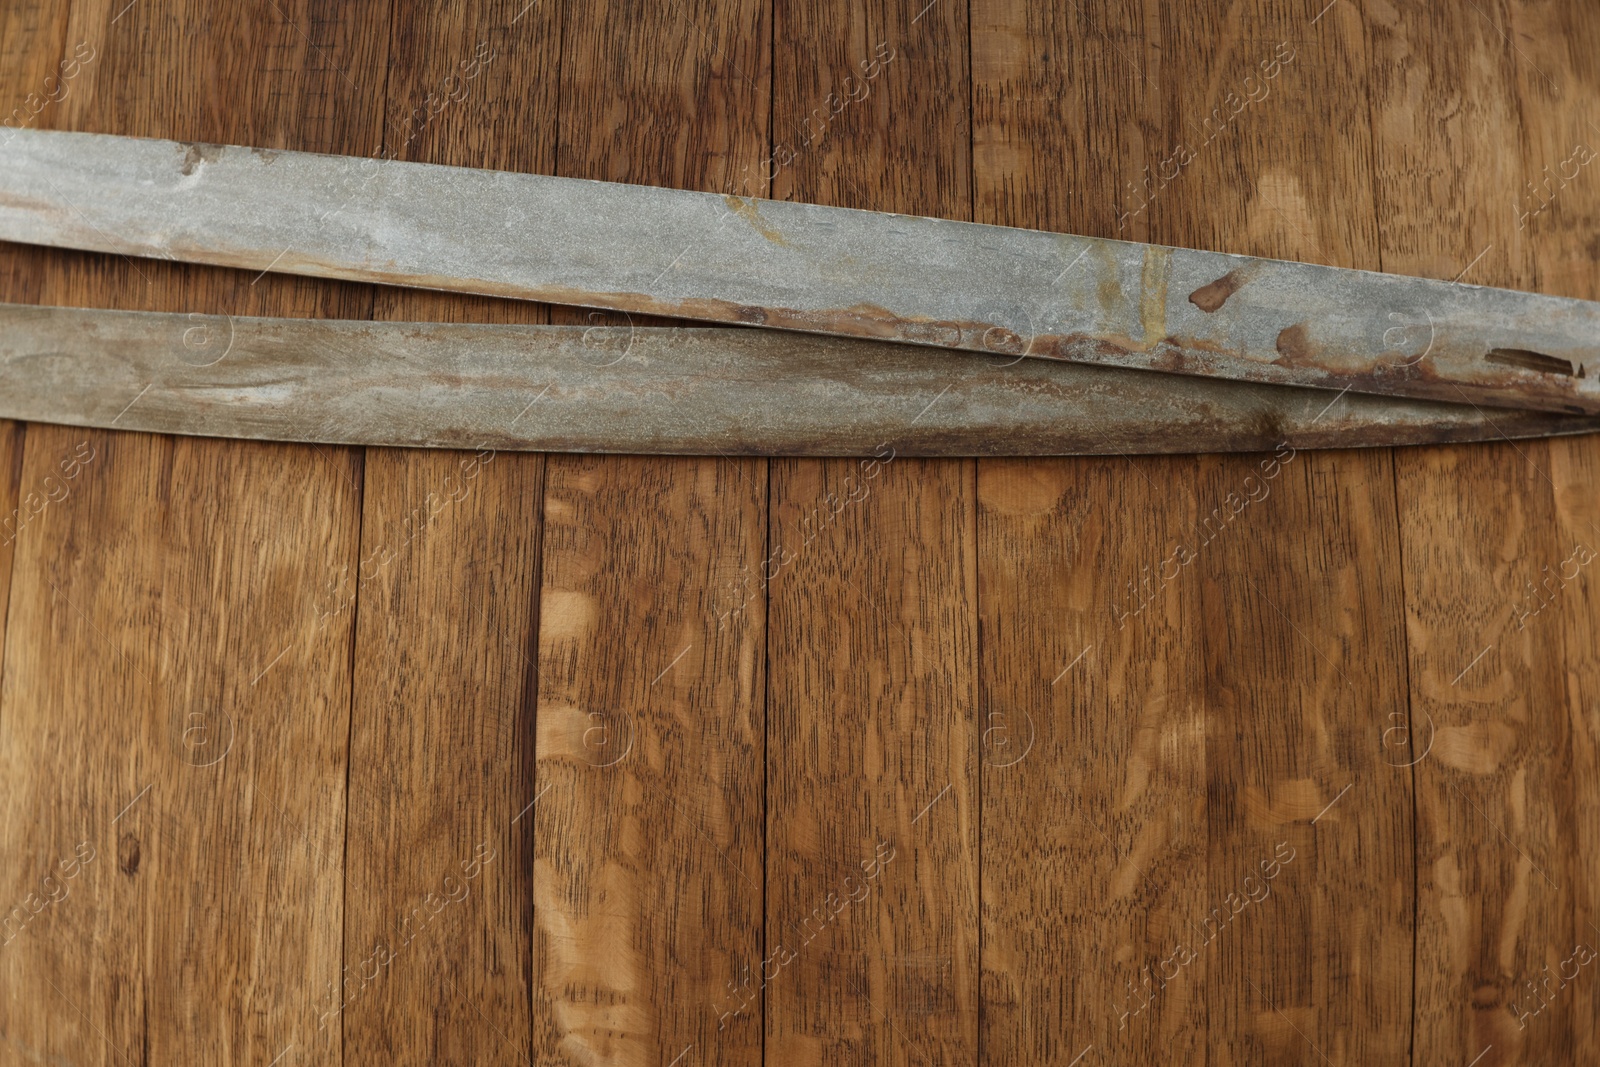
column 331, row 755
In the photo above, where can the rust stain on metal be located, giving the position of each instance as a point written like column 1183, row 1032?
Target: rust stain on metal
column 1294, row 346
column 1004, row 341
column 1153, row 304
column 1210, row 297
column 1534, row 361
column 1110, row 290
column 694, row 391
column 200, row 152
column 799, row 267
column 746, row 209
column 1073, row 347
column 1192, row 356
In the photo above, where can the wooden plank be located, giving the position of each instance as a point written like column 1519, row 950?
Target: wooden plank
column 439, row 859
column 1494, row 882
column 647, row 877
column 38, row 70
column 1301, row 595
column 648, row 853
column 471, row 85
column 441, row 756
column 1574, row 472
column 1090, row 712
column 1556, row 59
column 16, row 510
column 872, row 864
column 1301, row 600
column 1305, row 674
column 207, row 822
column 872, row 868
column 1495, row 889
column 1178, row 827
column 1088, row 700
column 1556, row 66
column 173, row 589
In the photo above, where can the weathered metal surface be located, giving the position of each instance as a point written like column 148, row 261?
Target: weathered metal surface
column 801, row 267
column 662, row 390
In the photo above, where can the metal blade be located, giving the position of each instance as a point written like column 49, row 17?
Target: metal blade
column 801, row 267
column 661, row 390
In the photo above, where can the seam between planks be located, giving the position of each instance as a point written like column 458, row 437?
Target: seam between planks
column 17, row 467
column 536, row 627
column 1411, row 734
column 355, row 607
column 766, row 547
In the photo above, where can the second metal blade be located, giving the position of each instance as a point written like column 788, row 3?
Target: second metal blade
column 664, row 391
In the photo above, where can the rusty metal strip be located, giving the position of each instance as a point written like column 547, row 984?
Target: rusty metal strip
column 801, row 267
column 661, row 390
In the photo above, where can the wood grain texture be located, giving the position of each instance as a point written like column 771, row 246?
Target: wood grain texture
column 16, row 510
column 1574, row 472
column 438, row 928
column 188, row 568
column 1557, row 70
column 647, row 879
column 1305, row 674
column 177, row 937
column 1493, row 884
column 872, row 812
column 438, row 864
column 1090, row 698
column 932, row 765
column 35, row 61
column 1301, row 603
column 1495, row 891
column 33, row 50
column 1090, row 711
column 1222, row 667
column 872, row 822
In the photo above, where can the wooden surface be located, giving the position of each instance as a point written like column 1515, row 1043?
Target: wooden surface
column 318, row 755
